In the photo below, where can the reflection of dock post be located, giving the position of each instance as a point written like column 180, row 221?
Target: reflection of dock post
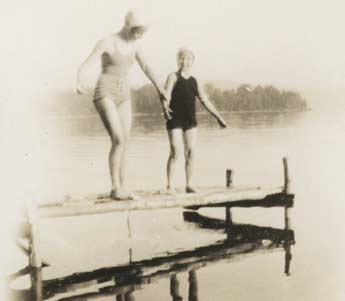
column 228, row 221
column 228, row 216
column 174, row 288
column 129, row 297
column 288, row 257
column 286, row 190
column 193, row 286
column 36, row 284
column 287, row 218
column 34, row 247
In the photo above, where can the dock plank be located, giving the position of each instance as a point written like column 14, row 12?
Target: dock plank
column 150, row 200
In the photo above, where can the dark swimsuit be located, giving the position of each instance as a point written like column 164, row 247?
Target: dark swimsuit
column 182, row 104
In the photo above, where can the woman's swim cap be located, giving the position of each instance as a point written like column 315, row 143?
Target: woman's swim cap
column 135, row 19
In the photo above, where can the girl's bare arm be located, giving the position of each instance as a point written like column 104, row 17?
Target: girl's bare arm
column 170, row 83
column 208, row 105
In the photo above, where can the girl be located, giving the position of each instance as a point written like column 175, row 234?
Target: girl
column 117, row 54
column 182, row 127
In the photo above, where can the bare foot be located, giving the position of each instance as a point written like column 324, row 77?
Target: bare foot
column 119, row 194
column 133, row 196
column 191, row 189
column 171, row 191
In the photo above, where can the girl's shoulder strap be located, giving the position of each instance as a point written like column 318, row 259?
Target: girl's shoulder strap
column 195, row 81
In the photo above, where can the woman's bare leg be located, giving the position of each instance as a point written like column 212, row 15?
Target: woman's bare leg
column 189, row 137
column 125, row 113
column 109, row 114
column 175, row 139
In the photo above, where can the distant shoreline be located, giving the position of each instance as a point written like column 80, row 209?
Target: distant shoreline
column 95, row 115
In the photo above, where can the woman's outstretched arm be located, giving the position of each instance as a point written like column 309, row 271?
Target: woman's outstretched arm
column 208, row 105
column 149, row 73
column 93, row 56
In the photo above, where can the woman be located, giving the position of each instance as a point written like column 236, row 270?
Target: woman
column 117, row 54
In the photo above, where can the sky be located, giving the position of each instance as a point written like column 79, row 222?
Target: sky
column 286, row 43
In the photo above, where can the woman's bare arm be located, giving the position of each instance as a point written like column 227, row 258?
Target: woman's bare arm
column 208, row 105
column 149, row 73
column 93, row 56
column 169, row 85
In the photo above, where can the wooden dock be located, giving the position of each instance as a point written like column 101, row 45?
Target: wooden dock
column 226, row 197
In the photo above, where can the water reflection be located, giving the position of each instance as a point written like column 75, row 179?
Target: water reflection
column 121, row 282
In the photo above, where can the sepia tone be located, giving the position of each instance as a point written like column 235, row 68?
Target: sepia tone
column 262, row 218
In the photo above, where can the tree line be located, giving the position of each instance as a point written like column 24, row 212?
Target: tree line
column 243, row 98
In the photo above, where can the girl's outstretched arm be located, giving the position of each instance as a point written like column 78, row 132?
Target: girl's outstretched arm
column 149, row 73
column 93, row 56
column 208, row 105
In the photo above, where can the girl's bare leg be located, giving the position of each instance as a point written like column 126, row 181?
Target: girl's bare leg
column 175, row 139
column 109, row 114
column 189, row 137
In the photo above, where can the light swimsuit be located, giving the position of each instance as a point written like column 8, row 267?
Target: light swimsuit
column 112, row 82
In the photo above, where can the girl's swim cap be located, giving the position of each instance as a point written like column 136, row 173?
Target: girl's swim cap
column 185, row 50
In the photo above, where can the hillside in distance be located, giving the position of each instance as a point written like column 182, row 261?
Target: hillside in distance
column 227, row 96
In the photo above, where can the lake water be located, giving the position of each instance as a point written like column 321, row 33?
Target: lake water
column 73, row 157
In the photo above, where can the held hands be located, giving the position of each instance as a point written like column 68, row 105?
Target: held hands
column 166, row 110
column 165, row 100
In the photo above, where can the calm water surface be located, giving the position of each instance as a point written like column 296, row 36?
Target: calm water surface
column 74, row 161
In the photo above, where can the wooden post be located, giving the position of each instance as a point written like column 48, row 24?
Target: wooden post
column 34, row 247
column 228, row 178
column 286, row 188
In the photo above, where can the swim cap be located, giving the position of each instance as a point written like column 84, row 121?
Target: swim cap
column 184, row 50
column 135, row 19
